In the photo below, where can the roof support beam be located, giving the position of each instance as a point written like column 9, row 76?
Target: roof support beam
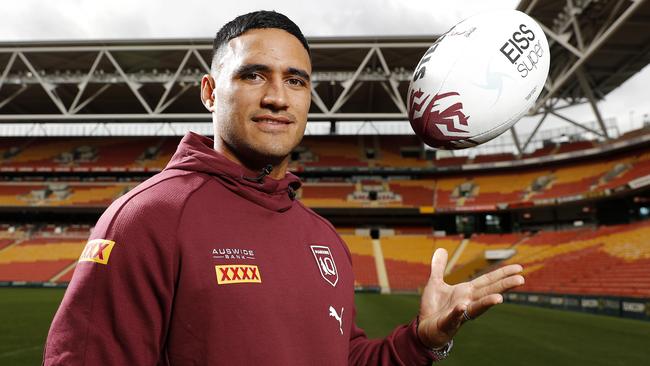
column 590, row 50
column 197, row 117
column 562, row 39
column 170, row 84
column 515, row 139
column 90, row 98
column 133, row 86
column 347, row 85
column 49, row 88
column 395, row 94
column 576, row 25
column 531, row 6
column 84, row 83
column 315, row 97
column 12, row 96
column 586, row 88
column 577, row 124
column 10, row 63
column 204, row 64
column 530, row 138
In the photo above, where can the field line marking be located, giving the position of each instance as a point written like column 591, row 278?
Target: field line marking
column 17, row 351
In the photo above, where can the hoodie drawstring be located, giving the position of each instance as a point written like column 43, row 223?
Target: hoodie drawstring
column 266, row 171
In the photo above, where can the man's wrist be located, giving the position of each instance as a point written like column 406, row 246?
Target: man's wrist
column 442, row 352
column 439, row 353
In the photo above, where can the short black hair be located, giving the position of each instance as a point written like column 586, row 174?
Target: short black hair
column 256, row 20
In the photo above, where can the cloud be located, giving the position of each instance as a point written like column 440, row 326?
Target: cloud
column 118, row 19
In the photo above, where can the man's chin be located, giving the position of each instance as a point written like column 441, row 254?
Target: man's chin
column 269, row 155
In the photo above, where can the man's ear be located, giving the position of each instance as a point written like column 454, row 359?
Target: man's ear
column 207, row 92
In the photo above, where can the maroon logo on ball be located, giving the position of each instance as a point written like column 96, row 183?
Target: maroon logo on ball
column 435, row 125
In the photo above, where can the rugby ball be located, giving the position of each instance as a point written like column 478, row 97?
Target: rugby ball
column 478, row 79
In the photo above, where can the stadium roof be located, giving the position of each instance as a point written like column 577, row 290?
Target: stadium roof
column 356, row 78
column 595, row 45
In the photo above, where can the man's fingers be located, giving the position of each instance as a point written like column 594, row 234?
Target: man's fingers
column 456, row 317
column 480, row 306
column 438, row 263
column 499, row 287
column 494, row 276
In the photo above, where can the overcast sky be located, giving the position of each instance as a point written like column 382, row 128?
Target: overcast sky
column 31, row 20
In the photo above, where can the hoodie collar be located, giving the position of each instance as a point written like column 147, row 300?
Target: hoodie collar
column 196, row 153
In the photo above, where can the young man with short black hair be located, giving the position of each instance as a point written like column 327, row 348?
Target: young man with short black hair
column 213, row 261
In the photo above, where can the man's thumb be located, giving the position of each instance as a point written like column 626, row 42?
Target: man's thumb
column 438, row 264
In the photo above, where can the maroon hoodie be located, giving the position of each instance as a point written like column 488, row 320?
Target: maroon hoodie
column 200, row 266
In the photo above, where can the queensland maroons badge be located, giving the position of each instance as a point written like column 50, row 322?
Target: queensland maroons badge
column 325, row 263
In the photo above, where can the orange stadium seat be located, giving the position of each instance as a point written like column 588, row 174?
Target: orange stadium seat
column 414, row 193
column 610, row 260
column 473, row 254
column 575, row 180
column 543, row 151
column 344, row 151
column 363, row 260
column 391, row 148
column 42, row 152
column 6, row 242
column 114, row 154
column 640, row 168
column 77, row 194
column 489, row 158
column 408, row 258
column 166, row 151
column 444, row 189
column 574, row 146
column 450, row 161
column 327, row 194
column 41, row 258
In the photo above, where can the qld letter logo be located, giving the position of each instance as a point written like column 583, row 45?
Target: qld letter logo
column 325, row 263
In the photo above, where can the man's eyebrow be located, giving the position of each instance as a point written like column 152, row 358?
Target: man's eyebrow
column 251, row 68
column 298, row 72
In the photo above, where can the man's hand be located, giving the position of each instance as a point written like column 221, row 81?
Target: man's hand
column 442, row 305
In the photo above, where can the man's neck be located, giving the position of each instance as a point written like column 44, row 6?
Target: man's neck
column 279, row 169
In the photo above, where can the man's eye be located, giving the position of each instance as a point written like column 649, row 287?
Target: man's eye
column 251, row 76
column 296, row 82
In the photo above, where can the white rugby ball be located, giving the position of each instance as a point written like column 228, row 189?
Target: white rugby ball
column 478, row 79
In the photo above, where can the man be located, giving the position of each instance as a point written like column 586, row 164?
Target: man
column 214, row 262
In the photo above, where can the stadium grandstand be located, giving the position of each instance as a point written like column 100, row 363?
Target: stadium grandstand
column 82, row 123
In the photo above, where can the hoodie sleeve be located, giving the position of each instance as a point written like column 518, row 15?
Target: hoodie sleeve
column 401, row 347
column 117, row 308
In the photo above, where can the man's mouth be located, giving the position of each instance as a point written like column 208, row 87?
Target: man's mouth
column 274, row 120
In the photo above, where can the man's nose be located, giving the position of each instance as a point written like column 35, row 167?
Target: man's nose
column 275, row 96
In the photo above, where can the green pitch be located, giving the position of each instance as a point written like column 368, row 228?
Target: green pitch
column 507, row 335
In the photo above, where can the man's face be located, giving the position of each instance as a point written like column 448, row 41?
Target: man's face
column 262, row 94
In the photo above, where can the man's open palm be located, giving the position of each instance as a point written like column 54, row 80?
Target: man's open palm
column 442, row 305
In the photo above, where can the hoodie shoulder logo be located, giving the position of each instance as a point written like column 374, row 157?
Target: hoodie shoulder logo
column 97, row 250
column 325, row 263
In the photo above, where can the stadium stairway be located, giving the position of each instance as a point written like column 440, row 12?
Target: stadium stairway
column 40, row 259
column 363, row 260
column 471, row 259
column 408, row 258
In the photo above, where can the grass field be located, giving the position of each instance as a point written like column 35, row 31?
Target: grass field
column 506, row 335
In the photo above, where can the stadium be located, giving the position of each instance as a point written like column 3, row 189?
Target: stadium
column 84, row 122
